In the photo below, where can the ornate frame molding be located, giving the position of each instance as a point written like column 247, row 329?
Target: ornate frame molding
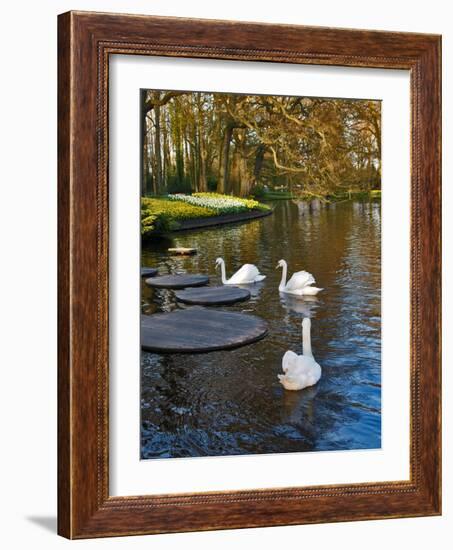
column 86, row 40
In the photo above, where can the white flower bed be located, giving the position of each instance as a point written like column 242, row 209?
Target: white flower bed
column 220, row 204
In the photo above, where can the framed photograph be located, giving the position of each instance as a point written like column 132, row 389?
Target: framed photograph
column 249, row 275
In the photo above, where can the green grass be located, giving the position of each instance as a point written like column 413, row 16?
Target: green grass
column 276, row 195
column 286, row 195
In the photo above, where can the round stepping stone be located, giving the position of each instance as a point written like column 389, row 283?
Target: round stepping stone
column 177, row 281
column 198, row 330
column 148, row 272
column 213, row 295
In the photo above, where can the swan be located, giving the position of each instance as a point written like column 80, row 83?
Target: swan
column 299, row 284
column 247, row 274
column 300, row 371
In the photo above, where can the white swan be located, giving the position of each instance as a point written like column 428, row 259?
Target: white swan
column 300, row 371
column 247, row 274
column 299, row 284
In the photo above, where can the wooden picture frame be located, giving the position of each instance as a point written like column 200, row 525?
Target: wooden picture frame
column 85, row 41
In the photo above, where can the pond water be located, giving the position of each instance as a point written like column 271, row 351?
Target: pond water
column 230, row 402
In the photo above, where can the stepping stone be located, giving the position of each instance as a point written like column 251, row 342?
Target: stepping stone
column 182, row 250
column 177, row 281
column 148, row 272
column 198, row 330
column 213, row 295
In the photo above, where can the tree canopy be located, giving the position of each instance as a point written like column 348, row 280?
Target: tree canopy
column 231, row 143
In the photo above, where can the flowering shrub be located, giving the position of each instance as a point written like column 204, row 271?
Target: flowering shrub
column 224, row 204
column 163, row 215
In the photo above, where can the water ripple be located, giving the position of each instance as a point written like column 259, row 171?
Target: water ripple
column 229, row 403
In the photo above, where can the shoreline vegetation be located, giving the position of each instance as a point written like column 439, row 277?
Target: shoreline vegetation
column 163, row 214
column 273, row 195
column 180, row 212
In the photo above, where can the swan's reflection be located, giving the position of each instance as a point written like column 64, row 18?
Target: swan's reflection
column 303, row 306
column 254, row 289
column 299, row 405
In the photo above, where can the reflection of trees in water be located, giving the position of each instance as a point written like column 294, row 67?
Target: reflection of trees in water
column 312, row 207
column 155, row 300
column 164, row 390
column 363, row 255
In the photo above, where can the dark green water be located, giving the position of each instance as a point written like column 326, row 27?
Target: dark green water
column 229, row 403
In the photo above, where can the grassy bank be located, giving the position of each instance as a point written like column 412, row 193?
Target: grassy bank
column 338, row 197
column 168, row 213
column 275, row 195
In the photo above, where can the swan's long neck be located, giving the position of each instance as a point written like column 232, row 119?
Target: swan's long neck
column 223, row 271
column 283, row 280
column 306, row 337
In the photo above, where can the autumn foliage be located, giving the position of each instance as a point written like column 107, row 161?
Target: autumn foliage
column 239, row 144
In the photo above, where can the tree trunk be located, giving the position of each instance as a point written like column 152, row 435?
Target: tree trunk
column 243, row 171
column 145, row 167
column 144, row 156
column 244, row 178
column 202, row 180
column 222, row 185
column 259, row 160
column 234, row 172
column 157, row 150
column 166, row 157
column 195, row 150
column 179, row 153
column 186, row 156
